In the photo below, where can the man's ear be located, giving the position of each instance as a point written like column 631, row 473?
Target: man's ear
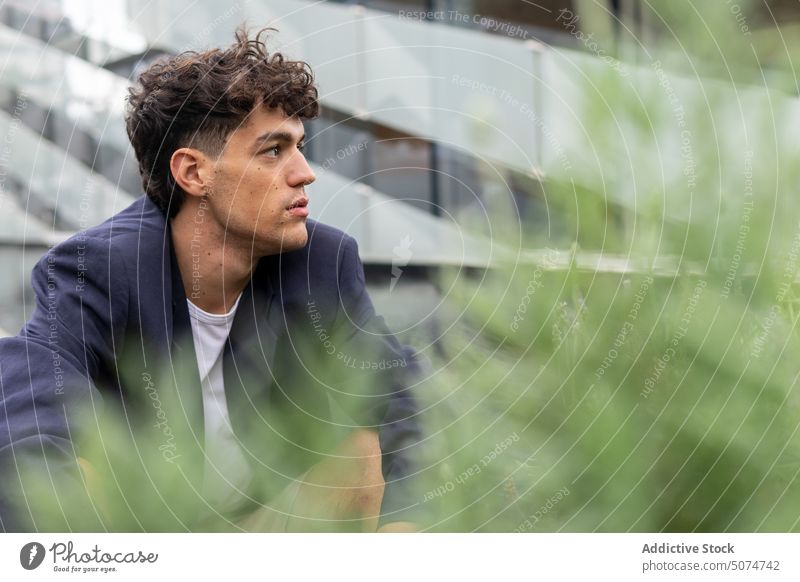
column 191, row 170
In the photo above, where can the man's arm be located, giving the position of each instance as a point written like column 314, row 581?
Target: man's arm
column 388, row 372
column 47, row 372
column 35, row 448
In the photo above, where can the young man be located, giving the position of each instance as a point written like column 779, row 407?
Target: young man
column 228, row 327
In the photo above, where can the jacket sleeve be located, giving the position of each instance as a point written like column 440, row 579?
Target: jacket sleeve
column 48, row 371
column 384, row 374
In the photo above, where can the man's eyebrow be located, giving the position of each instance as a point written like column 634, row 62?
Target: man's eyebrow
column 283, row 136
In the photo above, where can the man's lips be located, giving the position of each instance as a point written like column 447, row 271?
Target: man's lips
column 299, row 207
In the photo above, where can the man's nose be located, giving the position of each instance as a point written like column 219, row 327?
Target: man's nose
column 301, row 173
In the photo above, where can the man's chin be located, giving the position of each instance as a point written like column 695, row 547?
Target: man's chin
column 290, row 239
column 294, row 238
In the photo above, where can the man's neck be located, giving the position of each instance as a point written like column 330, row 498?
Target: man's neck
column 214, row 271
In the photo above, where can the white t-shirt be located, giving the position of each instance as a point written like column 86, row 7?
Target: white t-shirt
column 226, row 468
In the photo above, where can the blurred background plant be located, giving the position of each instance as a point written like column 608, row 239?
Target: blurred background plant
column 648, row 372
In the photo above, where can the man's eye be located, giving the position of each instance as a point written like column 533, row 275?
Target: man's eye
column 302, row 148
column 274, row 151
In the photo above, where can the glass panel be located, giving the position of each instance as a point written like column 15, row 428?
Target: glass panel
column 85, row 96
column 401, row 169
column 460, row 87
column 79, row 197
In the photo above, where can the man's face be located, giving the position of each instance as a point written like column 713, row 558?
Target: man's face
column 257, row 193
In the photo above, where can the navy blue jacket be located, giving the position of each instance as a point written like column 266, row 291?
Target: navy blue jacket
column 111, row 325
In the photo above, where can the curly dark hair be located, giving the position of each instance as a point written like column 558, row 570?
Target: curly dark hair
column 196, row 99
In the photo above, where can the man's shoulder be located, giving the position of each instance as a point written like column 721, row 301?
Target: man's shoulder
column 128, row 231
column 324, row 251
column 315, row 269
column 322, row 237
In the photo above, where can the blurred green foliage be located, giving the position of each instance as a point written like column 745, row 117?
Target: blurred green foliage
column 657, row 391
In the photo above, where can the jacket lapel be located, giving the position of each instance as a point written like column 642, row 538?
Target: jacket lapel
column 184, row 357
column 249, row 357
column 178, row 379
